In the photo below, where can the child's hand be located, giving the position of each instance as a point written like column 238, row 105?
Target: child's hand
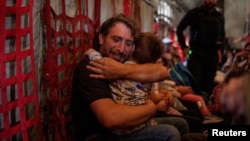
column 93, row 54
column 184, row 90
column 89, row 51
column 168, row 97
column 157, row 97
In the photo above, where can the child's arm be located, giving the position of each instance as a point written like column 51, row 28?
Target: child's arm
column 155, row 93
column 184, row 90
column 158, row 98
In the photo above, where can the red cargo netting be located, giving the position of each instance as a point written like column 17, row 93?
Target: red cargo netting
column 19, row 112
column 67, row 38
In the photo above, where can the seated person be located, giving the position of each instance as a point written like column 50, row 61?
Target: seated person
column 242, row 59
column 94, row 112
column 186, row 93
column 234, row 99
column 148, row 49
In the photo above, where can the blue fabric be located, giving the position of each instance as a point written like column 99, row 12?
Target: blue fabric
column 182, row 76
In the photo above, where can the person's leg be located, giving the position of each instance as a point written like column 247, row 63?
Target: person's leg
column 161, row 132
column 192, row 113
column 209, row 69
column 195, row 68
column 200, row 102
column 94, row 137
column 194, row 137
column 195, row 124
column 208, row 116
column 194, row 120
column 179, row 122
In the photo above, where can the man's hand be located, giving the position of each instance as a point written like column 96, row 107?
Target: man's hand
column 161, row 105
column 106, row 68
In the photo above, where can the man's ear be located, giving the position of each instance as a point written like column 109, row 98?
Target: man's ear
column 101, row 39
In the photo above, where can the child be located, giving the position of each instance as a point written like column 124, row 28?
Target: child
column 148, row 48
column 186, row 93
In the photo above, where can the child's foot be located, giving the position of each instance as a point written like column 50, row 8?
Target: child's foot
column 212, row 119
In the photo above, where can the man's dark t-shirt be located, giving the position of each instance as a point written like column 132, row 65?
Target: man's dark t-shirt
column 85, row 90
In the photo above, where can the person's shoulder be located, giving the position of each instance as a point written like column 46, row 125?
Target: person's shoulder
column 218, row 13
column 194, row 11
column 197, row 9
column 85, row 60
column 81, row 66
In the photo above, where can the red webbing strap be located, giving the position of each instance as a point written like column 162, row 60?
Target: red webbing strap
column 97, row 13
column 94, row 24
column 138, row 14
column 173, row 37
column 114, row 7
column 90, row 26
column 17, row 69
column 76, row 35
column 127, row 7
column 55, row 48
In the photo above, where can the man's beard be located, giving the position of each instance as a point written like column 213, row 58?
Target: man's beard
column 114, row 54
column 117, row 55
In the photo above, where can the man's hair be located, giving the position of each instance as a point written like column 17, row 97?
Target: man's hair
column 120, row 18
column 109, row 23
column 148, row 48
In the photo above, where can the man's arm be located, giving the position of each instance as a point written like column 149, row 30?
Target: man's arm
column 222, row 39
column 112, row 115
column 97, row 95
column 184, row 23
column 107, row 68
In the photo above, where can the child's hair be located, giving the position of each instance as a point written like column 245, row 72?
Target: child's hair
column 148, row 48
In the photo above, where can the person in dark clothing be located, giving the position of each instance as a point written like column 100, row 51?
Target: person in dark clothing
column 207, row 33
